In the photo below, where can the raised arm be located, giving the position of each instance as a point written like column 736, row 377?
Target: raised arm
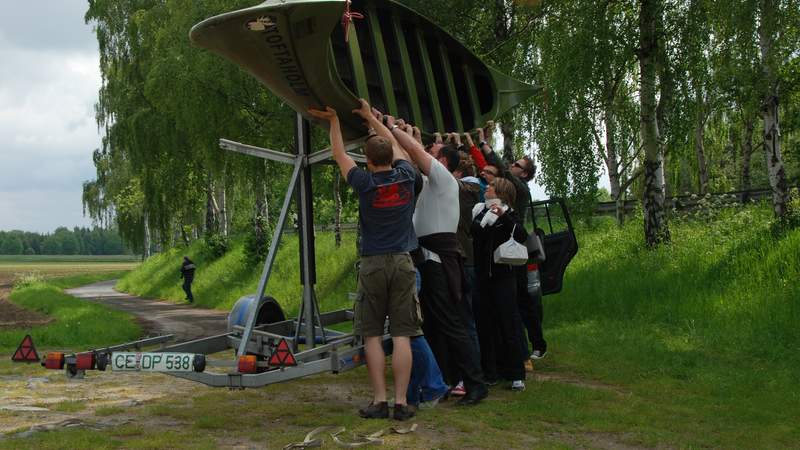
column 476, row 154
column 415, row 149
column 492, row 157
column 372, row 117
column 343, row 160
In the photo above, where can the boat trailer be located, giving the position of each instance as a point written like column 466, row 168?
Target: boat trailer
column 267, row 351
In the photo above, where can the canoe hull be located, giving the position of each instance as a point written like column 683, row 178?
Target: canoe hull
column 395, row 58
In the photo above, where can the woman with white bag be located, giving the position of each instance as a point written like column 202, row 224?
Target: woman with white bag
column 499, row 245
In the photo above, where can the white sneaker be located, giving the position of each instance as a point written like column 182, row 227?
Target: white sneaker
column 538, row 354
column 517, row 385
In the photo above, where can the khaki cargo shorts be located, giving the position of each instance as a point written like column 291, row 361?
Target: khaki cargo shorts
column 387, row 287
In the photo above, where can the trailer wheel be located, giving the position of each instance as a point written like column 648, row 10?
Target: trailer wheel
column 73, row 373
column 102, row 361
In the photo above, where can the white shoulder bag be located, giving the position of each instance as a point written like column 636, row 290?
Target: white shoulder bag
column 511, row 252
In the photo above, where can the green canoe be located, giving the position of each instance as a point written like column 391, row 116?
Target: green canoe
column 394, row 57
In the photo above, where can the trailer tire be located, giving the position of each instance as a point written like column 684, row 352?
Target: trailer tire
column 101, row 361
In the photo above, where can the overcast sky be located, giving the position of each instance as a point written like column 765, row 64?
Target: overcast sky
column 49, row 77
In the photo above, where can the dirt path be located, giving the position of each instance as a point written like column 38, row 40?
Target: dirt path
column 158, row 317
column 37, row 399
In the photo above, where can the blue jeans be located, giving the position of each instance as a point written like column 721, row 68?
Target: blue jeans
column 426, row 381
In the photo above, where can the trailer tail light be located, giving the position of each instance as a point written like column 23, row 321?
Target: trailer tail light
column 54, row 361
column 248, row 364
column 84, row 361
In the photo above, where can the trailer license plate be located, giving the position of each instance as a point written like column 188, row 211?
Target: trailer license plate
column 152, row 362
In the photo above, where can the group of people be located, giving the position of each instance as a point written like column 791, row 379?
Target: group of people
column 432, row 219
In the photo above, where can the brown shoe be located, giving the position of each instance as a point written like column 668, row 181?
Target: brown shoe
column 404, row 412
column 375, row 411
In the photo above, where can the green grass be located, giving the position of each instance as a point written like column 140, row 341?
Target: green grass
column 218, row 283
column 73, row 281
column 77, row 323
column 704, row 330
column 693, row 345
column 67, row 258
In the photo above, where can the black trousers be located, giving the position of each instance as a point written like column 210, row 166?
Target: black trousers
column 500, row 328
column 530, row 308
column 187, row 287
column 446, row 331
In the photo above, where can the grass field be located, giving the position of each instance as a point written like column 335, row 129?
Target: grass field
column 694, row 345
column 49, row 266
column 76, row 324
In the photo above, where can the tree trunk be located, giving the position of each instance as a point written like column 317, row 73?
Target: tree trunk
column 772, row 151
column 612, row 165
column 146, row 239
column 769, row 108
column 655, row 221
column 747, row 153
column 699, row 143
column 337, row 204
column 212, row 225
column 507, row 129
column 261, row 213
column 223, row 210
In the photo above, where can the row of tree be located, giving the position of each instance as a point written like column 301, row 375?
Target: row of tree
column 665, row 96
column 78, row 241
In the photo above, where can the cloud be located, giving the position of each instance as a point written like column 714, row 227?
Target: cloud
column 42, row 210
column 49, row 80
column 46, row 24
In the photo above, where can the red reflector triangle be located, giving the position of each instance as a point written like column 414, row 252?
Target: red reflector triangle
column 282, row 355
column 26, row 352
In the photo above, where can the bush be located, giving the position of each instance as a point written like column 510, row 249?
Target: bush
column 791, row 220
column 28, row 279
column 256, row 243
column 216, row 244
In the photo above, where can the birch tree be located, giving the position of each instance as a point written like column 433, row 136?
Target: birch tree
column 656, row 229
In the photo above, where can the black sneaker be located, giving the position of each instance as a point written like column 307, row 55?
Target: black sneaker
column 403, row 412
column 375, row 411
column 474, row 396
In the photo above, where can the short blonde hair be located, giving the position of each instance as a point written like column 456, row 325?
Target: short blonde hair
column 379, row 151
column 505, row 190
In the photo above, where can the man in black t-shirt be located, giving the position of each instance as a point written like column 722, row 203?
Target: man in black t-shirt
column 386, row 281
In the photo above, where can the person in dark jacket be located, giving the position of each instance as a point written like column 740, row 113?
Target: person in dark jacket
column 187, row 273
column 498, row 319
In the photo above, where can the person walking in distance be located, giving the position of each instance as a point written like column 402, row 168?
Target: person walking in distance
column 187, row 273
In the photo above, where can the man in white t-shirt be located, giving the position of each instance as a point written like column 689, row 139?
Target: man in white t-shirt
column 443, row 285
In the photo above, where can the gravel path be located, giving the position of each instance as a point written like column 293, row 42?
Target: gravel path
column 158, row 317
